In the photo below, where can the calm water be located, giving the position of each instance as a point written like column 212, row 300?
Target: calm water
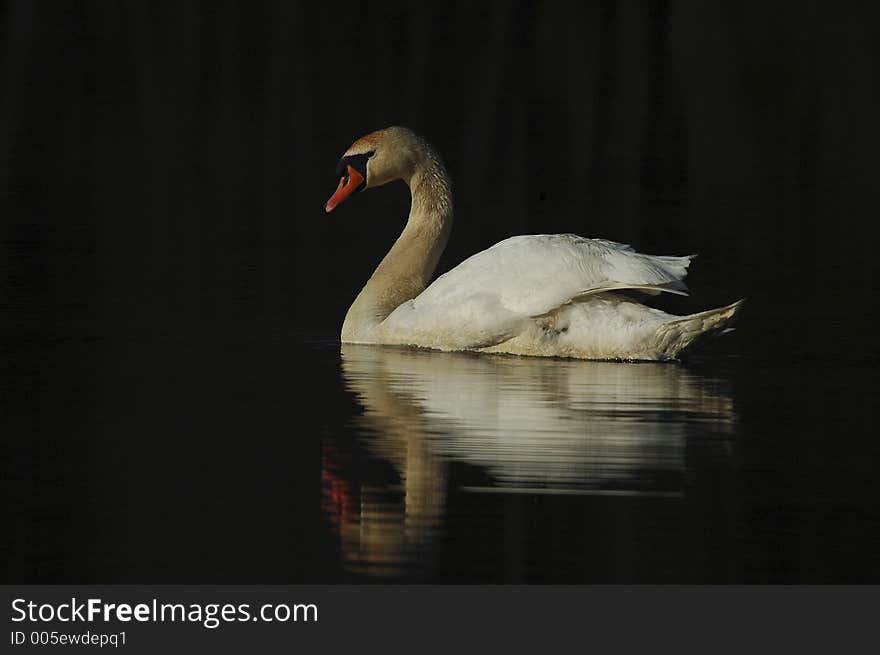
column 266, row 457
column 478, row 436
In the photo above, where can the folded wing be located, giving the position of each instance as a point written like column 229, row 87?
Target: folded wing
column 495, row 291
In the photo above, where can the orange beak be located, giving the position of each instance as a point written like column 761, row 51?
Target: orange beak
column 348, row 184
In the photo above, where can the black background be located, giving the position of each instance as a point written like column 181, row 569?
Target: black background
column 163, row 170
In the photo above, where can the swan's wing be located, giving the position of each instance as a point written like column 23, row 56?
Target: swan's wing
column 535, row 274
column 524, row 277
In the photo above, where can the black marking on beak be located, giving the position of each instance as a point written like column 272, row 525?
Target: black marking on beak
column 357, row 162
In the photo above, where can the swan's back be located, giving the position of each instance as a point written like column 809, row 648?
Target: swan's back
column 535, row 274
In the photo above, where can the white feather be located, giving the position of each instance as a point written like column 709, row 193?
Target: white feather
column 500, row 292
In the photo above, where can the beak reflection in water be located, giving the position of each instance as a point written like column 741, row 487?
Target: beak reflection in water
column 531, row 425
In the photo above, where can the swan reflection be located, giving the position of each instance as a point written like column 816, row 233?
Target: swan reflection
column 531, row 425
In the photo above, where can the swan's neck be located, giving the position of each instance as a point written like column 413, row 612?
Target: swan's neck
column 407, row 268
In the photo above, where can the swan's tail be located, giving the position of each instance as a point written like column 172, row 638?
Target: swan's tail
column 683, row 333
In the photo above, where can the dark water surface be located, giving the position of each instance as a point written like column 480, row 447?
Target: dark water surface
column 257, row 456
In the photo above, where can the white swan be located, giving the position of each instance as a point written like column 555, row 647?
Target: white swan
column 544, row 295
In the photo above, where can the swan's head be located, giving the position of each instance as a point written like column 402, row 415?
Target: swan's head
column 376, row 159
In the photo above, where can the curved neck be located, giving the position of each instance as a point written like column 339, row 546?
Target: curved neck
column 407, row 268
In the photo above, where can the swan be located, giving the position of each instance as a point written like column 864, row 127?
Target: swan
column 548, row 295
